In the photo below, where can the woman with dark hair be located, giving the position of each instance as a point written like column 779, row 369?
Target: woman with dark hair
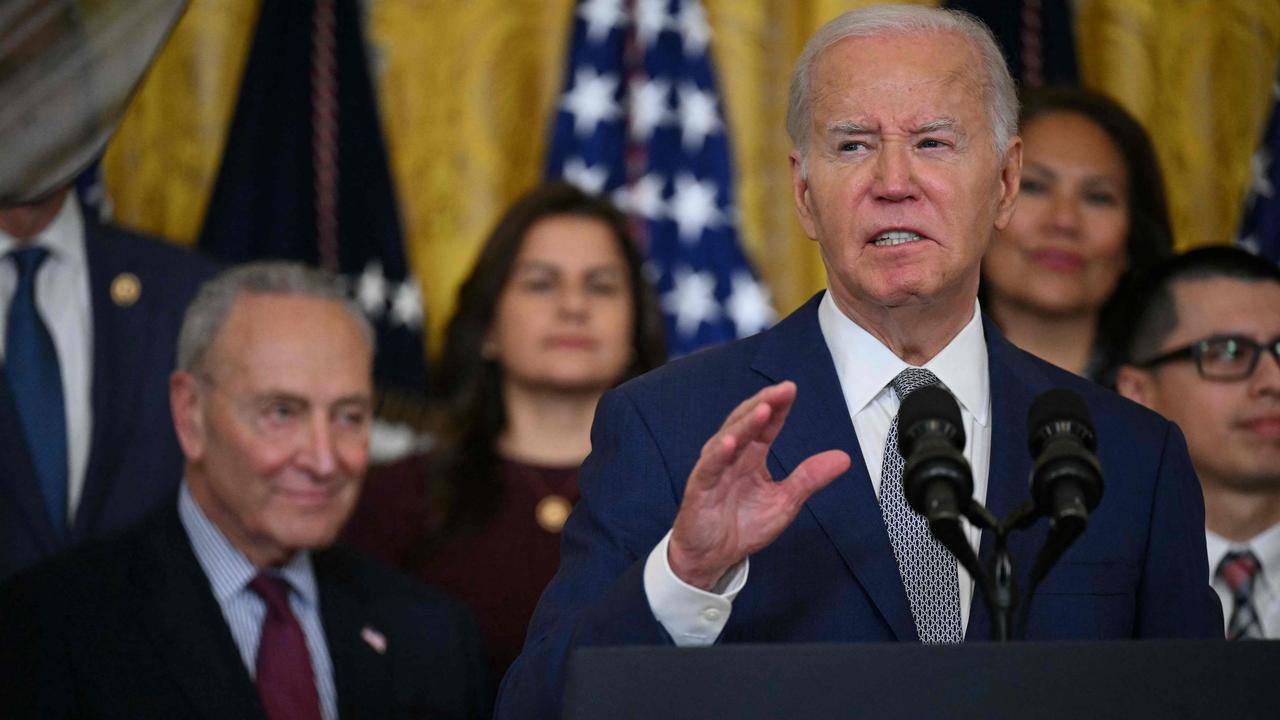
column 1091, row 216
column 555, row 312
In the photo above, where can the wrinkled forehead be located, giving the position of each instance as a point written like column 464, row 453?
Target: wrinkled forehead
column 911, row 78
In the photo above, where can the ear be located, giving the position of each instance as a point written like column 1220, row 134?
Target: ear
column 1137, row 385
column 187, row 407
column 1010, row 182
column 800, row 193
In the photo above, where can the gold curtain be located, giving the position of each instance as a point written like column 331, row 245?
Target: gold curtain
column 160, row 166
column 1198, row 74
column 467, row 89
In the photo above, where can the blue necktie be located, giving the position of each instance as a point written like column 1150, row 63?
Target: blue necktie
column 31, row 363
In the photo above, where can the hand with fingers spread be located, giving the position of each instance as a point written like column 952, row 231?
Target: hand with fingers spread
column 732, row 507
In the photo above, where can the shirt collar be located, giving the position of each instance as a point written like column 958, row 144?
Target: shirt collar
column 63, row 237
column 962, row 368
column 1264, row 545
column 228, row 570
column 865, row 366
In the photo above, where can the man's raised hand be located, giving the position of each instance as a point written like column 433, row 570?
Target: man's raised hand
column 732, row 507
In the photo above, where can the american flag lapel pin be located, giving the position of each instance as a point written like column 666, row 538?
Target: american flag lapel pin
column 374, row 639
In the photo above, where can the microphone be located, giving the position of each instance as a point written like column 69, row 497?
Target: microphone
column 1066, row 483
column 936, row 479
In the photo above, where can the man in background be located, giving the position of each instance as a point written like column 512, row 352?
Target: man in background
column 89, row 318
column 1205, row 353
column 227, row 602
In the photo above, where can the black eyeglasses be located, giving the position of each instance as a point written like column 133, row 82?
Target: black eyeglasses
column 1221, row 357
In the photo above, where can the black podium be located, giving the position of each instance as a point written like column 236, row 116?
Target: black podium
column 1153, row 679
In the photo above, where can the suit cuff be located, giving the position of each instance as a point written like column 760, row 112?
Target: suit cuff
column 692, row 617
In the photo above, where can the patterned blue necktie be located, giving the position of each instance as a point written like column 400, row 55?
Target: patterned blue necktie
column 31, row 364
column 928, row 569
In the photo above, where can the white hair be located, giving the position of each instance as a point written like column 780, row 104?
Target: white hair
column 208, row 312
column 888, row 20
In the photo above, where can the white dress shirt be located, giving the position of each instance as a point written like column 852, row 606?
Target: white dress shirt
column 230, row 573
column 865, row 369
column 62, row 299
column 1266, row 585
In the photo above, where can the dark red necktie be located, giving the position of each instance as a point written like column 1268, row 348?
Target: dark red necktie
column 285, row 680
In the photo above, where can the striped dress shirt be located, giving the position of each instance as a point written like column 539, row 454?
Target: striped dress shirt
column 229, row 573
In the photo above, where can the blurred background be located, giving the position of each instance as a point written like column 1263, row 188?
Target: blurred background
column 466, row 96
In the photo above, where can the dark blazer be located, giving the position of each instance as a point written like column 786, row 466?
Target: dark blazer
column 1139, row 570
column 130, row 628
column 134, row 459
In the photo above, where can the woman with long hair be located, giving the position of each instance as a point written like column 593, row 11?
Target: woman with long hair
column 555, row 312
column 1091, row 215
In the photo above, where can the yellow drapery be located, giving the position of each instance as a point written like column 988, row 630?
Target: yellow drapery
column 467, row 89
column 1198, row 73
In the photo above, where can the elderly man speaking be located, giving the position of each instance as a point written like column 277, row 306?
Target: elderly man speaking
column 746, row 494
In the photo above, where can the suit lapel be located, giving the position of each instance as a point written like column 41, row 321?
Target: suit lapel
column 18, row 474
column 1014, row 383
column 361, row 674
column 847, row 510
column 119, row 338
column 177, row 610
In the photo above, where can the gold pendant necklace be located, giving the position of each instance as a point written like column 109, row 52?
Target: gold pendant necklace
column 552, row 511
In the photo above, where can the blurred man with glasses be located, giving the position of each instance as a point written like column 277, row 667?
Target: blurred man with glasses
column 1205, row 352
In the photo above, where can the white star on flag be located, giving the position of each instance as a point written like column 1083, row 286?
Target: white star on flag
column 667, row 164
column 748, row 305
column 648, row 107
column 698, row 117
column 406, row 306
column 591, row 100
column 693, row 207
column 602, row 16
column 644, row 198
column 371, row 289
column 692, row 299
column 693, row 27
column 651, row 20
column 588, row 178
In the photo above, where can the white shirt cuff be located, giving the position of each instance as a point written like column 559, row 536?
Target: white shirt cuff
column 692, row 617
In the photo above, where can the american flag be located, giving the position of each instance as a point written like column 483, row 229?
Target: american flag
column 1260, row 227
column 640, row 121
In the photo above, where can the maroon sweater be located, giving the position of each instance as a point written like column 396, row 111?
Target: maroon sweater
column 498, row 570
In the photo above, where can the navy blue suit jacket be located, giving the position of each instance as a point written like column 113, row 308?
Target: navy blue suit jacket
column 1139, row 571
column 130, row 629
column 134, row 459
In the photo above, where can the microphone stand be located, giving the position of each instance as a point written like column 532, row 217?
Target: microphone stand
column 999, row 584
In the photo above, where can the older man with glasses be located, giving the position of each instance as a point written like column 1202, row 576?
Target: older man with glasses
column 1205, row 353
